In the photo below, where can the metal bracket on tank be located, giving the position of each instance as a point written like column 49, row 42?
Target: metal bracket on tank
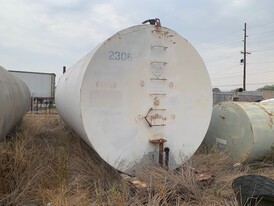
column 161, row 142
column 155, row 22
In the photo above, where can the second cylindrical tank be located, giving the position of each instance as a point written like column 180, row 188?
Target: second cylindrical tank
column 14, row 101
column 244, row 130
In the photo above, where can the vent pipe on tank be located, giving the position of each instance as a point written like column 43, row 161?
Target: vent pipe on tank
column 64, row 69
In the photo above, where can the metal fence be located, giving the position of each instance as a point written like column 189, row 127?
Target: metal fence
column 246, row 96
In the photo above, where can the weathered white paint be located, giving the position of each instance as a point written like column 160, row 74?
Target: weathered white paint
column 14, row 101
column 247, row 128
column 106, row 95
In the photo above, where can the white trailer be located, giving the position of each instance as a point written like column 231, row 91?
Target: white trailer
column 41, row 85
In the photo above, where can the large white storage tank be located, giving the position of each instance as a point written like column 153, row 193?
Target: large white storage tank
column 14, row 101
column 141, row 93
column 244, row 130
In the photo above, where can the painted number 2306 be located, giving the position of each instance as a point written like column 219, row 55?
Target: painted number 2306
column 119, row 56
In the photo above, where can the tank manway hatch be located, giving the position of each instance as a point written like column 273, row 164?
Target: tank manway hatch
column 143, row 95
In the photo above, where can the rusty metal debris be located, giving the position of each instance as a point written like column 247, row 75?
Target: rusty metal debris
column 204, row 178
column 139, row 184
column 134, row 181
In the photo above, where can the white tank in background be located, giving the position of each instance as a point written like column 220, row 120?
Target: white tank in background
column 14, row 101
column 244, row 130
column 268, row 100
column 143, row 95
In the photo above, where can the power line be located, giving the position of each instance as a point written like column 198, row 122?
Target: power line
column 262, row 33
column 261, row 36
column 223, row 45
column 260, row 25
column 229, row 76
column 228, row 43
column 224, row 77
column 261, row 62
column 263, row 72
column 264, row 49
column 222, row 57
column 222, row 69
column 218, row 37
column 261, row 83
column 233, row 40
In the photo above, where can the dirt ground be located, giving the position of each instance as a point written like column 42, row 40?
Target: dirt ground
column 45, row 163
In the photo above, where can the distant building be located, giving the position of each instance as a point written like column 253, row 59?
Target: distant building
column 245, row 96
column 267, row 94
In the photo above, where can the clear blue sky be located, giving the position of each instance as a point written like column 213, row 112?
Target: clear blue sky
column 44, row 35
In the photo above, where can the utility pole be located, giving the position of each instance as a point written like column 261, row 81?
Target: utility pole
column 244, row 60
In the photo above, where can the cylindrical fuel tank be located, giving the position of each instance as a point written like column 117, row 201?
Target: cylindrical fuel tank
column 243, row 130
column 142, row 90
column 268, row 100
column 14, row 101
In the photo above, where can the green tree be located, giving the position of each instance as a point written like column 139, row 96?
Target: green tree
column 267, row 87
column 216, row 89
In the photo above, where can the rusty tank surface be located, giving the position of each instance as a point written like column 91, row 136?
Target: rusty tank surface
column 14, row 101
column 243, row 130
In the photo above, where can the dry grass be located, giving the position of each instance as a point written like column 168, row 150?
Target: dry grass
column 45, row 163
